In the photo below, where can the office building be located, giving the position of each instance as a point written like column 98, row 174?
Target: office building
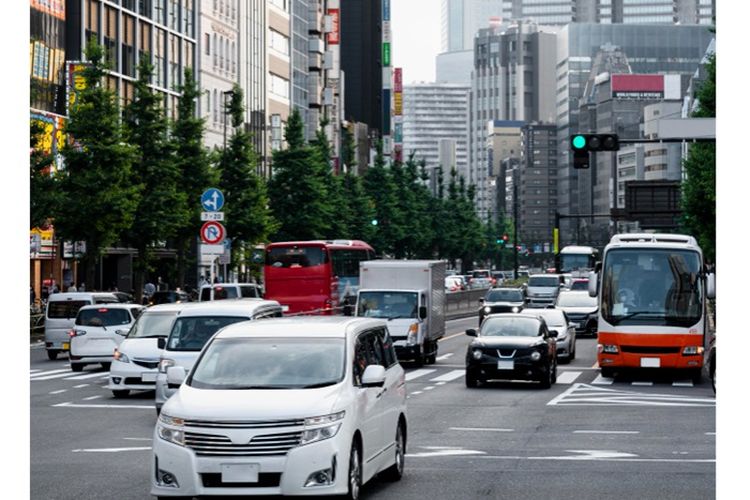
column 537, row 190
column 503, row 145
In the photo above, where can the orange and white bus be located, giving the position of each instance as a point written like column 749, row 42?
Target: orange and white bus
column 652, row 291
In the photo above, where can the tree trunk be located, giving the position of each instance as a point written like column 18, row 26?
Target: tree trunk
column 141, row 265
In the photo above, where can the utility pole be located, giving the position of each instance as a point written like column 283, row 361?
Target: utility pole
column 515, row 226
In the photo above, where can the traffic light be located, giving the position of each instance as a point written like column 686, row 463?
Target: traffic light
column 583, row 144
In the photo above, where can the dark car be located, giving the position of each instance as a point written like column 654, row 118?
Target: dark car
column 501, row 300
column 168, row 297
column 512, row 347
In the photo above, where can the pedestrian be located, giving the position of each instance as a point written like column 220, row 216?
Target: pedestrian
column 54, row 289
column 82, row 287
column 32, row 294
column 202, row 281
column 72, row 288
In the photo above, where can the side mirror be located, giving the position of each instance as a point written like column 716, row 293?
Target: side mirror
column 471, row 332
column 481, row 300
column 593, row 284
column 121, row 332
column 374, row 376
column 176, row 376
column 422, row 312
column 553, row 334
column 711, row 286
column 161, row 342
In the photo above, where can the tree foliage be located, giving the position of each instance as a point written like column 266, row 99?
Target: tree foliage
column 98, row 197
column 699, row 188
column 45, row 197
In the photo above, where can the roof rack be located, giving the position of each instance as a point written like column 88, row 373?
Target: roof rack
column 653, row 238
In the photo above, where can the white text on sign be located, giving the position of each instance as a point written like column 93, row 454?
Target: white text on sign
column 207, row 216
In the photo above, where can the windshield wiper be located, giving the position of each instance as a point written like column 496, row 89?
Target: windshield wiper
column 398, row 317
column 618, row 319
column 152, row 337
column 247, row 387
column 320, row 384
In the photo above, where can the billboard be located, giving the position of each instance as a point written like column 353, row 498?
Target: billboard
column 386, row 10
column 42, row 243
column 386, row 53
column 75, row 81
column 52, row 139
column 398, row 85
column 55, row 8
column 646, row 87
column 333, row 35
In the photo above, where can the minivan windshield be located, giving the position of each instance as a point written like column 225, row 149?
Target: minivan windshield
column 152, row 324
column 103, row 316
column 192, row 333
column 270, row 363
column 577, row 299
column 504, row 296
column 544, row 281
column 65, row 309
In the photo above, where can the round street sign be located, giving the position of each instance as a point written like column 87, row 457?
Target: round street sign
column 212, row 200
column 212, row 233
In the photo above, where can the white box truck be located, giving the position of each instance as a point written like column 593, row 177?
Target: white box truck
column 410, row 294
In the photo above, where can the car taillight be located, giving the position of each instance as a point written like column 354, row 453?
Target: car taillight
column 71, row 333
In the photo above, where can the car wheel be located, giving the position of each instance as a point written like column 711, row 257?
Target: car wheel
column 572, row 352
column 121, row 394
column 553, row 378
column 396, row 471
column 76, row 367
column 106, row 365
column 355, row 473
column 546, row 378
column 607, row 372
column 696, row 376
column 52, row 354
column 472, row 380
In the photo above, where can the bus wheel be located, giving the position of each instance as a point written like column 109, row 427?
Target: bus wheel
column 696, row 376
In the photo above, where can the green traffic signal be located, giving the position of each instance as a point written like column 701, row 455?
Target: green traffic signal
column 579, row 142
column 374, row 222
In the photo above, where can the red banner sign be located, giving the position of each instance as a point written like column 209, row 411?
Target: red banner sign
column 333, row 35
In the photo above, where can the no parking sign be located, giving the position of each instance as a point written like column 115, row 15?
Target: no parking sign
column 212, row 233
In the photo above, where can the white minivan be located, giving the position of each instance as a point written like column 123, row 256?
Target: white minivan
column 195, row 325
column 294, row 406
column 136, row 359
column 60, row 316
column 98, row 330
column 222, row 291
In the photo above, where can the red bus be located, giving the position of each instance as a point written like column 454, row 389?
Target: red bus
column 314, row 276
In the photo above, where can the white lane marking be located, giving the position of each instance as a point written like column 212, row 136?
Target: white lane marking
column 32, row 371
column 683, row 383
column 605, row 432
column 445, row 452
column 588, row 395
column 644, row 384
column 451, row 336
column 415, row 393
column 429, row 388
column 444, row 356
column 447, row 377
column 567, row 377
column 599, row 380
column 110, row 450
column 89, row 375
column 137, row 439
column 50, row 377
column 418, row 373
column 73, row 405
column 59, row 392
column 80, row 385
column 710, row 434
column 439, row 383
column 91, row 397
column 480, row 429
column 48, row 372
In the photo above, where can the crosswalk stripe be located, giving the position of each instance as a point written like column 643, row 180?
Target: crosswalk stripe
column 599, row 380
column 418, row 373
column 567, row 377
column 48, row 372
column 50, row 377
column 88, row 375
column 683, row 383
column 444, row 356
column 32, row 371
column 645, row 384
column 447, row 377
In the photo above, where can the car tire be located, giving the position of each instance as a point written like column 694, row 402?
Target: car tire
column 76, row 367
column 52, row 354
column 472, row 381
column 354, row 474
column 106, row 366
column 396, row 471
column 554, row 372
column 572, row 353
column 696, row 376
column 607, row 372
column 546, row 378
column 121, row 393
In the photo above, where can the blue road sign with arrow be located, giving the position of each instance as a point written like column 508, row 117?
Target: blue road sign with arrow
column 212, row 200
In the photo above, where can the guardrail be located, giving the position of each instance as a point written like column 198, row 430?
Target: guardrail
column 466, row 301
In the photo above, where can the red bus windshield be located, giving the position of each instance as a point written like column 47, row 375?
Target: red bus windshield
column 313, row 276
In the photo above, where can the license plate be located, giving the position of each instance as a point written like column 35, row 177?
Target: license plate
column 148, row 377
column 576, row 325
column 505, row 365
column 66, row 346
column 239, row 473
column 284, row 308
column 650, row 362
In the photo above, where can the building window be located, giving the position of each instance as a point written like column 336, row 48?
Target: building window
column 188, row 25
column 145, row 45
column 278, row 42
column 216, row 50
column 145, row 7
column 216, row 106
column 208, row 44
column 110, row 35
column 174, row 61
column 128, row 45
column 279, row 86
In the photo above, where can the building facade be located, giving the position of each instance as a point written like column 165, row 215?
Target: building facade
column 435, row 120
column 537, row 190
column 503, row 153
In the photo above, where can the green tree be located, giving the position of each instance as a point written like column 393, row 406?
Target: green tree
column 98, row 198
column 336, row 206
column 381, row 192
column 193, row 162
column 699, row 188
column 43, row 186
column 248, row 218
column 296, row 190
column 160, row 212
column 360, row 209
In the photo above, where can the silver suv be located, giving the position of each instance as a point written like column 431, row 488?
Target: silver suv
column 542, row 289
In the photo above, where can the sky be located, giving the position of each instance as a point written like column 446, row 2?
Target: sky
column 415, row 31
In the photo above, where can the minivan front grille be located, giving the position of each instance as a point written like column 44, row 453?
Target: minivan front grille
column 265, row 445
column 146, row 363
column 244, row 424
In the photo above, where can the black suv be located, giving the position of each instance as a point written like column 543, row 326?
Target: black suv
column 501, row 300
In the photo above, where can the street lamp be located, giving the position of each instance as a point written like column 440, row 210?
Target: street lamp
column 226, row 93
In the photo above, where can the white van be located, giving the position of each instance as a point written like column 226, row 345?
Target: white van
column 221, row 291
column 194, row 326
column 60, row 316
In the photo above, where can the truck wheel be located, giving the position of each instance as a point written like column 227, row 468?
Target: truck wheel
column 52, row 354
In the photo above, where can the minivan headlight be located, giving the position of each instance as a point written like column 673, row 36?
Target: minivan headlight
column 323, row 427
column 121, row 356
column 487, row 310
column 171, row 429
